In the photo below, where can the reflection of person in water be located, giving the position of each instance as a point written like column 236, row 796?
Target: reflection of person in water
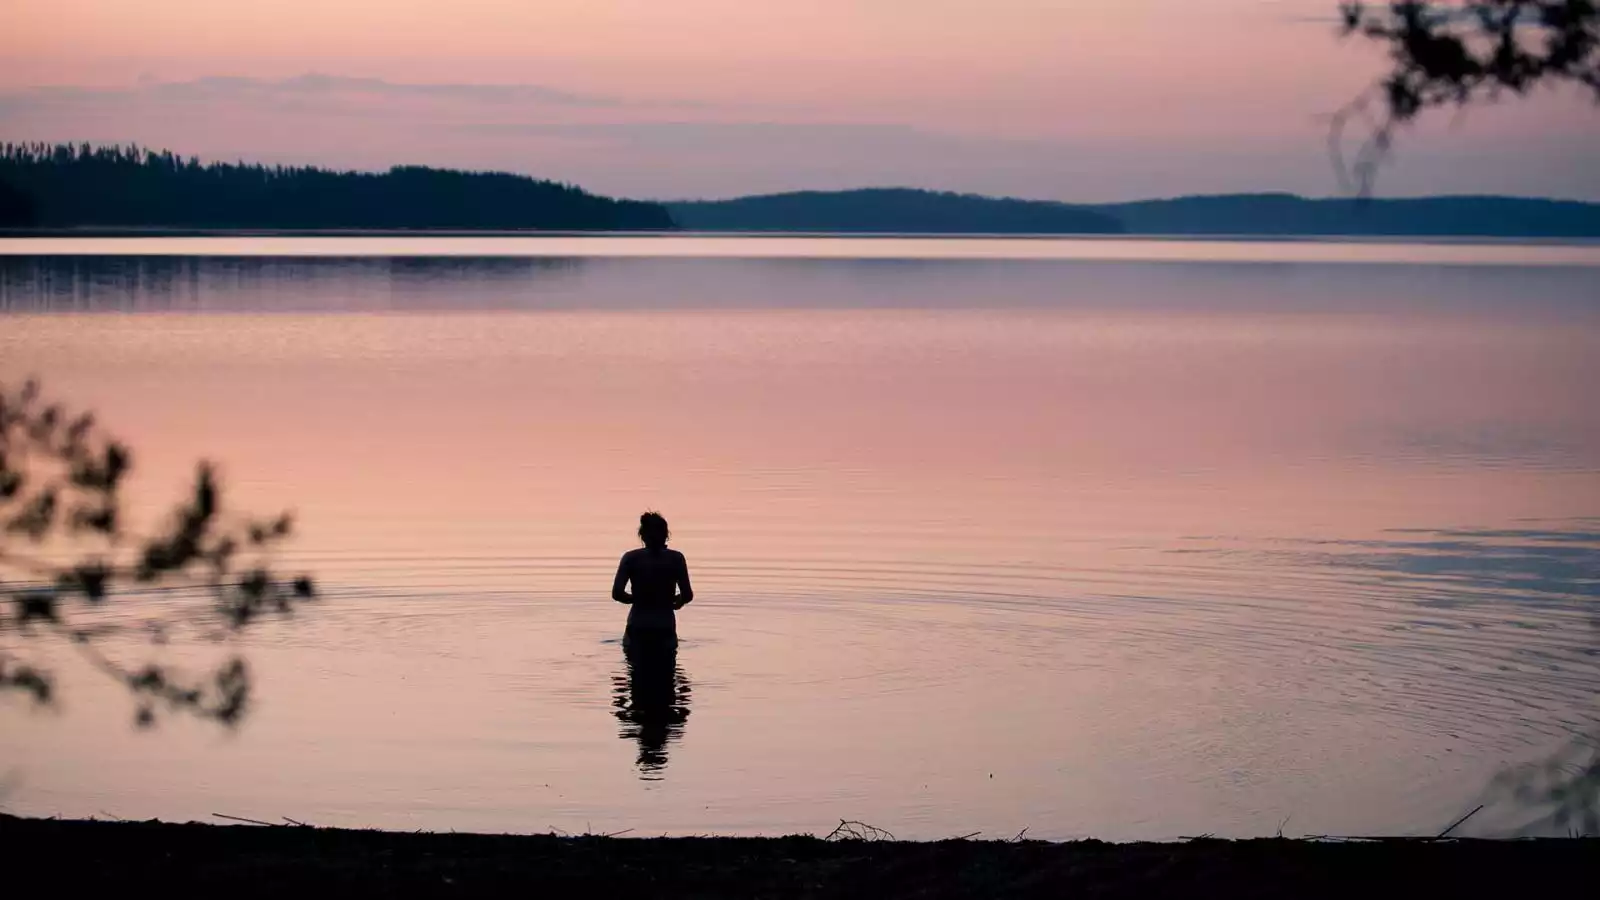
column 652, row 703
column 660, row 580
column 652, row 700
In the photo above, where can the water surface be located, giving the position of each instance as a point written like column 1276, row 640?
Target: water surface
column 1127, row 546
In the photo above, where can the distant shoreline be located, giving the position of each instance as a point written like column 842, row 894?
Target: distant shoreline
column 1222, row 215
column 160, row 859
column 89, row 190
column 93, row 232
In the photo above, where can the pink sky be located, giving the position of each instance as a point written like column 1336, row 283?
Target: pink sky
column 1083, row 100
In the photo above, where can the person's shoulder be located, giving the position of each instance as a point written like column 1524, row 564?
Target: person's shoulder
column 675, row 554
column 633, row 554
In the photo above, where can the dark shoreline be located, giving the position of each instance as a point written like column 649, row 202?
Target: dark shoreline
column 157, row 231
column 155, row 859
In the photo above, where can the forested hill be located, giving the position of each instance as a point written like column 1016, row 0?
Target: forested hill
column 1287, row 214
column 891, row 210
column 69, row 186
column 914, row 211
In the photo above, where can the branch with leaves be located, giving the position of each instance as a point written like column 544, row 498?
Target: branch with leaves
column 1452, row 55
column 71, row 571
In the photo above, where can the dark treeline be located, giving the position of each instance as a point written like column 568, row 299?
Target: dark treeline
column 64, row 186
column 1286, row 214
column 891, row 210
column 915, row 211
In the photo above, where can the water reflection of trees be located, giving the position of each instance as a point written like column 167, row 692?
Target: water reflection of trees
column 196, row 283
column 651, row 700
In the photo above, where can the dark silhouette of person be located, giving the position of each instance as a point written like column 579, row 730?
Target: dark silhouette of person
column 652, row 699
column 660, row 581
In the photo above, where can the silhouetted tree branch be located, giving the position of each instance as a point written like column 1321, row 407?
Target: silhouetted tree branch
column 65, row 553
column 1453, row 55
column 1458, row 54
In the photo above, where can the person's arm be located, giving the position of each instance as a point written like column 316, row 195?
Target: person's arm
column 619, row 585
column 685, row 590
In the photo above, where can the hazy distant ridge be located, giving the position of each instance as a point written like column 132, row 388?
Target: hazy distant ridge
column 914, row 211
column 901, row 210
column 1271, row 214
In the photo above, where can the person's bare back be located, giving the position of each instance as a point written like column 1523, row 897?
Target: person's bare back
column 659, row 578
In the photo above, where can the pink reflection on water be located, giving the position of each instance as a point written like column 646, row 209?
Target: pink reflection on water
column 930, row 544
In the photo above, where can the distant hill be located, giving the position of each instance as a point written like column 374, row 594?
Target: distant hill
column 86, row 186
column 1287, row 214
column 925, row 212
column 897, row 210
column 68, row 186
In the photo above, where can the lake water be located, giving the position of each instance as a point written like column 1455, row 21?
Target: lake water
column 1130, row 539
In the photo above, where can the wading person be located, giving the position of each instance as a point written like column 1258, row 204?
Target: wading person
column 659, row 579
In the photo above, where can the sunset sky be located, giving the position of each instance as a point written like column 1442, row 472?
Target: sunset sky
column 1068, row 99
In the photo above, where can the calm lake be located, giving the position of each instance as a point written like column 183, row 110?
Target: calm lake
column 1113, row 538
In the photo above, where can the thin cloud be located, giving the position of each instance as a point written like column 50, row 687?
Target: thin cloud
column 310, row 86
column 665, row 149
column 692, row 132
column 317, row 83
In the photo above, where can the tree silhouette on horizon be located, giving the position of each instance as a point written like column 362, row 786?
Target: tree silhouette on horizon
column 66, row 185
